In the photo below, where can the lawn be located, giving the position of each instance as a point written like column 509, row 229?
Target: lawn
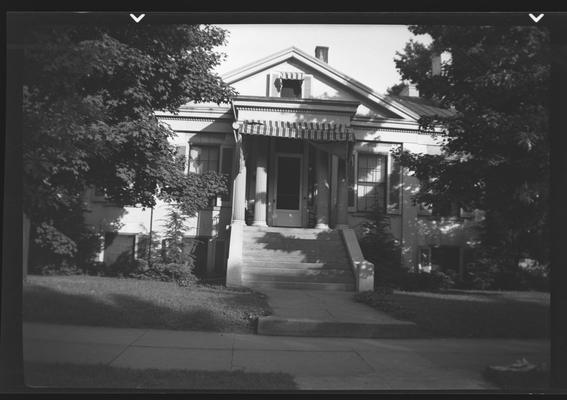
column 133, row 303
column 474, row 314
column 106, row 377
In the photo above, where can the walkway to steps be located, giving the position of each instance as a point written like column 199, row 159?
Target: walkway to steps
column 295, row 258
column 328, row 314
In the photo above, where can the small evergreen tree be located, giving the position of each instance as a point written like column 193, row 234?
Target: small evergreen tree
column 380, row 247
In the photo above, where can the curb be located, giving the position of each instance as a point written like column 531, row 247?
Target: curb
column 275, row 326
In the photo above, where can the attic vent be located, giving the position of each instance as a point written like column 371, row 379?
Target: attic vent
column 289, row 84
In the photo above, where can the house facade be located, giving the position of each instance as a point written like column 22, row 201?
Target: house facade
column 309, row 154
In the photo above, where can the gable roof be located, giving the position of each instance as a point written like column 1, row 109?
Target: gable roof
column 326, row 70
column 421, row 106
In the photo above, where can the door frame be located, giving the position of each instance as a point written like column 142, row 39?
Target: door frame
column 300, row 212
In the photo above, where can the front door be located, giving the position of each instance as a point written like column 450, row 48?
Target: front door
column 288, row 190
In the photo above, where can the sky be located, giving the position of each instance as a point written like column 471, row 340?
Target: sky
column 363, row 52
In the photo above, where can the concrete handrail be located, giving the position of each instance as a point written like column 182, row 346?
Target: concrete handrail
column 363, row 269
column 234, row 262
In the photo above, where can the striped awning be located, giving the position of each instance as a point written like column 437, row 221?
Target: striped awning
column 291, row 75
column 298, row 130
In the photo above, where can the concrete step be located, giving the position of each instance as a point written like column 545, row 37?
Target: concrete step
column 294, row 254
column 271, row 263
column 274, row 260
column 277, row 326
column 326, row 248
column 259, row 284
column 287, row 230
column 297, row 275
column 322, row 236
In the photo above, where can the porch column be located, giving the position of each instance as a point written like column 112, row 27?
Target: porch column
column 342, row 206
column 239, row 189
column 322, row 196
column 234, row 263
column 261, row 183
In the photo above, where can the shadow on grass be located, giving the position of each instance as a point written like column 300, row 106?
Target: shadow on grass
column 48, row 305
column 468, row 315
column 102, row 376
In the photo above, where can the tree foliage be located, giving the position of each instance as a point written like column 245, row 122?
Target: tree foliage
column 89, row 98
column 496, row 152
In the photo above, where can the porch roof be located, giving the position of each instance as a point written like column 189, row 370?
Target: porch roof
column 298, row 130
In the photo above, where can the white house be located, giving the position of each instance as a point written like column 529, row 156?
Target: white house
column 308, row 150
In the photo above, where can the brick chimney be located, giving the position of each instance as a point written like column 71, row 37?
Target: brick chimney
column 410, row 90
column 437, row 61
column 322, row 53
column 435, row 64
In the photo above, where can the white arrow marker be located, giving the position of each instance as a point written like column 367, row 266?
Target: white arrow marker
column 536, row 19
column 139, row 18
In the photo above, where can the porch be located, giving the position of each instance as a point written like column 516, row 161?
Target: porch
column 289, row 173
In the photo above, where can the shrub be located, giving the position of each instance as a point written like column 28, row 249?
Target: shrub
column 59, row 269
column 381, row 248
column 180, row 273
column 487, row 273
column 425, row 281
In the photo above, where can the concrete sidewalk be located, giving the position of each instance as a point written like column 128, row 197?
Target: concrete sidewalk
column 315, row 363
column 320, row 313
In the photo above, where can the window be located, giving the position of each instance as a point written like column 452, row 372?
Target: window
column 445, row 209
column 371, row 181
column 181, row 155
column 203, row 159
column 440, row 258
column 291, row 88
column 445, row 258
column 98, row 194
column 290, row 84
column 440, row 209
column 374, row 178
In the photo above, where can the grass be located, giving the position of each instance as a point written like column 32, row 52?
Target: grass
column 472, row 314
column 133, row 303
column 106, row 377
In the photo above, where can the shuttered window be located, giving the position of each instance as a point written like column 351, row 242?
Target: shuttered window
column 203, row 159
column 181, row 156
column 371, row 181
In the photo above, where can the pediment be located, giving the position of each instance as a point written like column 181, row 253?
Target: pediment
column 325, row 83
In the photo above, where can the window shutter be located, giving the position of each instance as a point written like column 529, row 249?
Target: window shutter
column 306, row 87
column 181, row 153
column 273, row 89
column 395, row 186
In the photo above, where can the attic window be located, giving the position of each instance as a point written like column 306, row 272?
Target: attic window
column 291, row 88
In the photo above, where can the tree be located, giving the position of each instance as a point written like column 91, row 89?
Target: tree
column 395, row 89
column 496, row 152
column 90, row 93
